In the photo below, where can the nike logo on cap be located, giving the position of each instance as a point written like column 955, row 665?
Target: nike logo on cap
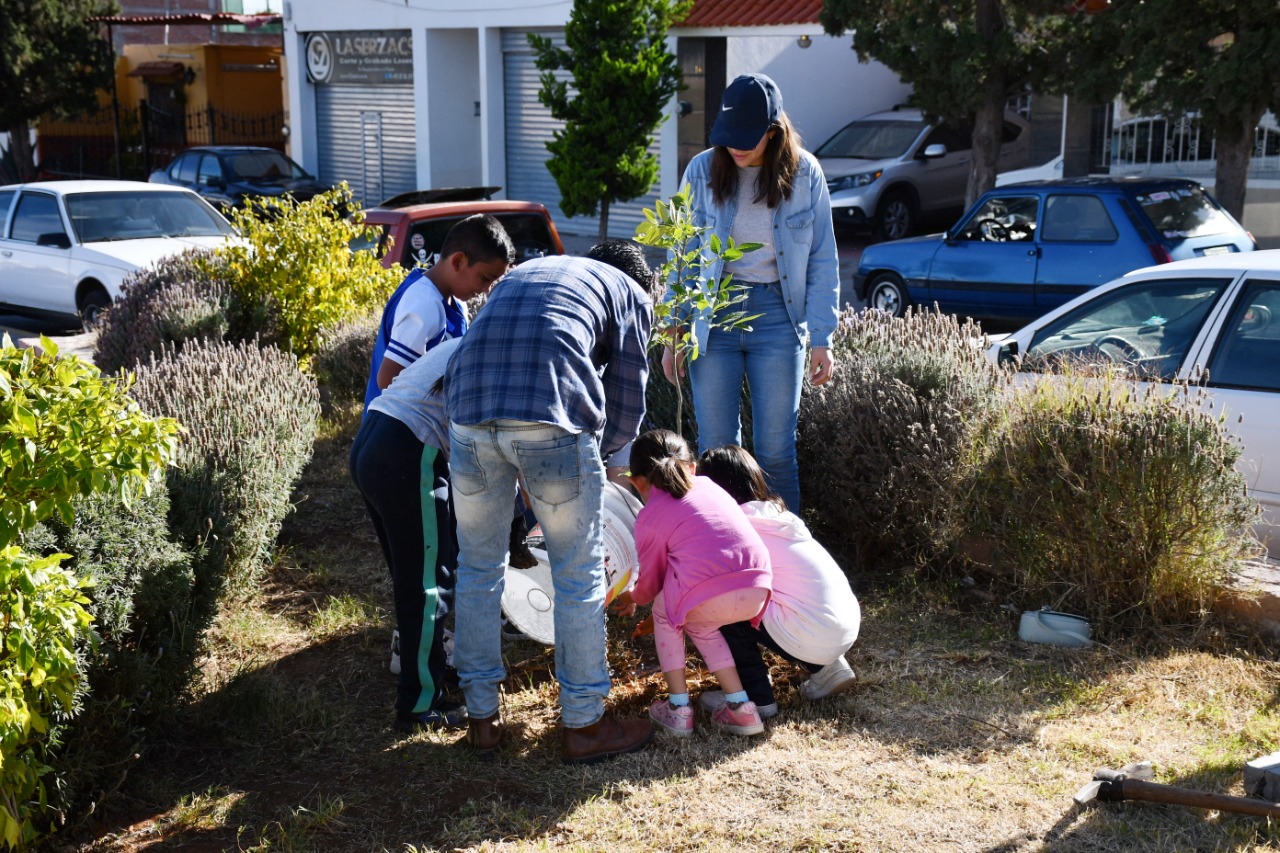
column 725, row 109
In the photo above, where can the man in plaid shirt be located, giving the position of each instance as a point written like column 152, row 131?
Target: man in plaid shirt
column 548, row 382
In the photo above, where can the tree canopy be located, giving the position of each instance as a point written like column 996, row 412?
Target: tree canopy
column 1218, row 59
column 963, row 58
column 53, row 61
column 621, row 77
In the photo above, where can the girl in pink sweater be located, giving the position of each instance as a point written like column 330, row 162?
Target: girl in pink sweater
column 702, row 565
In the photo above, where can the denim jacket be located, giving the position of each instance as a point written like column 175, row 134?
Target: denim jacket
column 805, row 243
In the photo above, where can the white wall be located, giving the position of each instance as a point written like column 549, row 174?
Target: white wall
column 308, row 15
column 824, row 86
column 453, row 75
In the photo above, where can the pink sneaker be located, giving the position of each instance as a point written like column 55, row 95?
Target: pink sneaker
column 675, row 720
column 741, row 719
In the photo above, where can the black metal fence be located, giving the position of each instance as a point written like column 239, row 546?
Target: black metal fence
column 133, row 142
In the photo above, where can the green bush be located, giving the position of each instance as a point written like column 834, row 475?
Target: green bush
column 342, row 363
column 1109, row 500
column 149, row 633
column 42, row 616
column 250, row 418
column 179, row 299
column 296, row 259
column 881, row 444
column 66, row 430
column 65, row 433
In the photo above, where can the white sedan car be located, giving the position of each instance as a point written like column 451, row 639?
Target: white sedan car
column 66, row 246
column 1220, row 313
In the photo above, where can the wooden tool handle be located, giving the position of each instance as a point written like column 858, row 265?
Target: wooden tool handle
column 1132, row 789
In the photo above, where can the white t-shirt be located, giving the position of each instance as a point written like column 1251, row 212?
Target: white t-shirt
column 410, row 399
column 813, row 613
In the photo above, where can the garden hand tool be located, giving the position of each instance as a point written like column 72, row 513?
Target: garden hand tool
column 1130, row 783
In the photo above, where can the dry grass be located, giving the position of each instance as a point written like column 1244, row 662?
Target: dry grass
column 959, row 737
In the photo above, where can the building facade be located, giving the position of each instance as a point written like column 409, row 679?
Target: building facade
column 393, row 97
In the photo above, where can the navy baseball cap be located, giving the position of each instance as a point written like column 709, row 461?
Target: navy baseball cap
column 750, row 106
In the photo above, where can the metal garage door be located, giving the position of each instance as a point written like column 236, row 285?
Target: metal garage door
column 367, row 139
column 530, row 126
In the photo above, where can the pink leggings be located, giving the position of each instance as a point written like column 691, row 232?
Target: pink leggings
column 702, row 624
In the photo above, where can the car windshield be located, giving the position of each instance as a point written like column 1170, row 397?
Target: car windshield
column 1147, row 326
column 1183, row 212
column 104, row 216
column 872, row 140
column 260, row 166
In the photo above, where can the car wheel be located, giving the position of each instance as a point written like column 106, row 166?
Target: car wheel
column 896, row 217
column 91, row 306
column 888, row 294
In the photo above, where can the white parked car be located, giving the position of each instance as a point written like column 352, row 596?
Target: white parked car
column 1220, row 313
column 66, row 246
column 1050, row 171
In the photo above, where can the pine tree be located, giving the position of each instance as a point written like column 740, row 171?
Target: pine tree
column 620, row 79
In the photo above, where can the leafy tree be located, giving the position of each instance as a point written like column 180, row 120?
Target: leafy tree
column 54, row 62
column 964, row 58
column 622, row 77
column 1217, row 58
column 669, row 226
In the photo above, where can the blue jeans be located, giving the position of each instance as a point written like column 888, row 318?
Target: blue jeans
column 564, row 477
column 771, row 356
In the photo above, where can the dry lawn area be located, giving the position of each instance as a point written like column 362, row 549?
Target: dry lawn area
column 959, row 737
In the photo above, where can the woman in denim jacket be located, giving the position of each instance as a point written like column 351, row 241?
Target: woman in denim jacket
column 757, row 185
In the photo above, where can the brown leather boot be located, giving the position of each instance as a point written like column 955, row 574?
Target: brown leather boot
column 484, row 736
column 603, row 739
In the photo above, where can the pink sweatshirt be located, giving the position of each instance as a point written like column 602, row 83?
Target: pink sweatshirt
column 696, row 548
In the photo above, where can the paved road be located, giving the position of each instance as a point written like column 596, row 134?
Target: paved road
column 850, row 249
column 68, row 340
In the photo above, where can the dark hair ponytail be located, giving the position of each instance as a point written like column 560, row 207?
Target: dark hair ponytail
column 737, row 472
column 661, row 456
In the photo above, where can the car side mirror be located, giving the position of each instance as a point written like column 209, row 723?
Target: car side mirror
column 1008, row 353
column 934, row 151
column 55, row 240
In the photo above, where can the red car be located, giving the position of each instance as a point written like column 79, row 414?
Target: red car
column 413, row 225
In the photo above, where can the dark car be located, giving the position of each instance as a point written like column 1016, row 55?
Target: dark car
column 411, row 227
column 1024, row 249
column 224, row 175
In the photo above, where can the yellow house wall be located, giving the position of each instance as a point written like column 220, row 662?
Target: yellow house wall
column 222, row 75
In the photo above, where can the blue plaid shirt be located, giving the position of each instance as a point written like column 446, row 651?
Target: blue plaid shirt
column 562, row 340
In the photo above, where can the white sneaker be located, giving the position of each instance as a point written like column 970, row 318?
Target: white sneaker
column 713, row 700
column 833, row 678
column 395, row 651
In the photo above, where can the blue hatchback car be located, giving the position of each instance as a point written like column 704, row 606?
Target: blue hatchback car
column 1024, row 249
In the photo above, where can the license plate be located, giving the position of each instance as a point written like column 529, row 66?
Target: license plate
column 1217, row 250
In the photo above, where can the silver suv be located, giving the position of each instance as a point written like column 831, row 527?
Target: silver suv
column 887, row 170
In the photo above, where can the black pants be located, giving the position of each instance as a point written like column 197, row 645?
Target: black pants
column 744, row 643
column 405, row 485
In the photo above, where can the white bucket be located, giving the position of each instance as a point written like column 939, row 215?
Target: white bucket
column 528, row 599
column 1055, row 629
